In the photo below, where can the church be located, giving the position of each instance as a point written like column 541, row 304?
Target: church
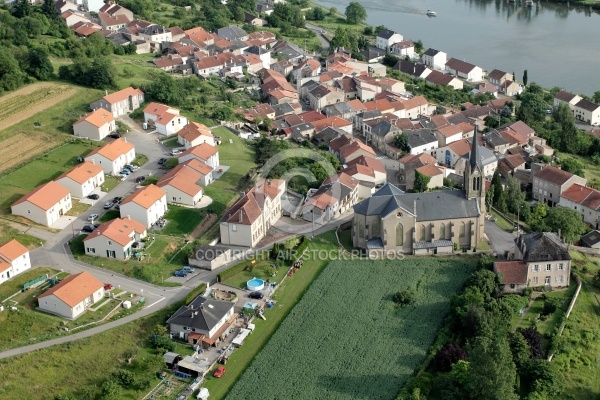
column 424, row 223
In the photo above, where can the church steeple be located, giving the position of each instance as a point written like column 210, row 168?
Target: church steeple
column 473, row 179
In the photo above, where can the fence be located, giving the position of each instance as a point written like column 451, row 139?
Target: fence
column 571, row 305
column 35, row 282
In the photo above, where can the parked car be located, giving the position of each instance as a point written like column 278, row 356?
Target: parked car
column 117, row 199
column 140, row 179
column 115, row 135
column 124, row 171
column 96, row 225
column 181, row 273
column 219, row 372
column 131, row 168
column 256, row 295
column 189, row 269
column 162, row 161
column 93, row 196
column 87, row 228
column 175, row 152
column 108, row 206
column 117, row 207
column 93, row 217
column 107, row 286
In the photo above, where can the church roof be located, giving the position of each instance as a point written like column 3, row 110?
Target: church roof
column 474, row 158
column 389, row 199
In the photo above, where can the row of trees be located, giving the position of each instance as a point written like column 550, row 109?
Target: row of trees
column 482, row 357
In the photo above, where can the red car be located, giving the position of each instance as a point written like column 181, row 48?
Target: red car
column 219, row 372
column 107, row 286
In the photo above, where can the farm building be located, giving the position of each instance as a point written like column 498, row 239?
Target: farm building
column 14, row 259
column 72, row 296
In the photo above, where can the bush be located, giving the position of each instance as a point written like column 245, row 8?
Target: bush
column 404, row 298
column 550, row 305
column 447, row 356
column 197, row 291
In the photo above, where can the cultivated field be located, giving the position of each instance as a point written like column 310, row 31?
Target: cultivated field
column 346, row 339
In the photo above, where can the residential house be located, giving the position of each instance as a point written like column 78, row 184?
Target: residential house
column 584, row 200
column 365, row 176
column 210, row 257
column 381, row 135
column 248, row 220
column 322, row 96
column 203, row 322
column 591, row 240
column 421, row 141
column 510, row 164
column 65, row 5
column 588, row 112
column 372, row 163
column 386, row 37
column 403, row 49
column 252, row 19
column 232, row 33
column 115, row 239
column 72, row 18
column 435, row 59
column 442, row 79
column 372, row 54
column 204, row 153
column 511, row 88
column 194, row 134
column 95, row 125
column 435, row 175
column 409, row 163
column 413, row 69
column 82, row 179
column 465, row 70
column 113, row 156
column 71, row 297
column 14, row 259
column 121, row 102
column 45, row 204
column 165, row 119
column 448, row 134
column 335, row 196
column 415, row 107
column 263, row 54
column 550, row 182
column 498, row 77
column 332, row 122
column 541, row 260
column 183, row 185
column 158, row 36
column 204, row 170
column 146, row 205
column 112, row 8
column 563, row 97
column 113, row 22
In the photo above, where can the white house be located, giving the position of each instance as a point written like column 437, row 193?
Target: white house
column 421, row 141
column 72, row 296
column 14, row 259
column 44, row 205
column 194, row 134
column 93, row 5
column 82, row 179
column 563, row 97
column 113, row 156
column 165, row 119
column 584, row 200
column 114, row 239
column 386, row 38
column 586, row 111
column 435, row 59
column 183, row 185
column 121, row 102
column 96, row 125
column 146, row 205
column 204, row 153
column 465, row 70
column 405, row 48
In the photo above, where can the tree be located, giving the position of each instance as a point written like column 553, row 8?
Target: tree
column 102, row 74
column 49, row 9
column 401, row 141
column 419, row 46
column 355, row 13
column 573, row 166
column 525, row 78
column 532, row 109
column 404, row 297
column 389, row 60
column 568, row 221
column 484, row 280
column 421, row 182
column 515, row 198
column 22, row 8
column 447, row 356
column 125, row 378
column 596, row 97
column 316, row 14
column 165, row 89
column 333, row 12
column 11, row 75
column 492, row 370
column 534, row 339
column 368, row 30
column 39, row 65
column 110, row 390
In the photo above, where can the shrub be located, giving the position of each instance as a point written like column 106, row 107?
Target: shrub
column 550, row 305
column 404, row 297
column 197, row 291
column 447, row 356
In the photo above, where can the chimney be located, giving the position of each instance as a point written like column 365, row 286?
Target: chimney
column 128, row 217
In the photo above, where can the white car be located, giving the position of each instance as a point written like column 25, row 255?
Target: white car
column 93, row 217
column 175, row 152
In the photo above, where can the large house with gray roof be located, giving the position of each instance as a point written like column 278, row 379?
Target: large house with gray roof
column 423, row 223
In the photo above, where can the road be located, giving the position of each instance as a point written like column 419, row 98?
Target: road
column 501, row 241
column 319, row 32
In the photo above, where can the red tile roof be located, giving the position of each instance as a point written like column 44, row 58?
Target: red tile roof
column 81, row 173
column 145, row 197
column 75, row 288
column 203, row 151
column 512, row 272
column 98, row 118
column 45, row 196
column 121, row 95
column 583, row 195
column 113, row 150
column 553, row 175
column 12, row 250
column 370, row 162
column 119, row 230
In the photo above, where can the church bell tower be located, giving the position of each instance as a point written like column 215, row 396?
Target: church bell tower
column 474, row 180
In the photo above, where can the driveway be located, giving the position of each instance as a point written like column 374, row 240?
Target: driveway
column 500, row 240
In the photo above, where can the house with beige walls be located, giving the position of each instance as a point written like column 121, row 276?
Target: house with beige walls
column 96, row 125
column 82, row 179
column 114, row 239
column 113, row 156
column 45, row 204
column 146, row 205
column 71, row 297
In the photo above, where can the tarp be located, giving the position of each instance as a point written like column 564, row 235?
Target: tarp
column 250, row 305
column 239, row 339
column 203, row 394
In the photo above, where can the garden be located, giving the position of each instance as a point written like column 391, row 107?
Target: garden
column 347, row 338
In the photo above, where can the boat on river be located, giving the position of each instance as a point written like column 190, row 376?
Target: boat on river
column 431, row 13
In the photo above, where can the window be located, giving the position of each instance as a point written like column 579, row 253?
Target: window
column 547, row 280
column 559, row 279
column 399, row 235
column 90, row 250
column 234, row 227
column 442, row 231
column 422, row 232
column 461, row 232
column 548, row 267
column 535, row 280
column 109, row 243
column 536, row 268
column 561, row 266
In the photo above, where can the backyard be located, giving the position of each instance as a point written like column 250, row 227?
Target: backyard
column 346, row 338
column 160, row 258
column 182, row 220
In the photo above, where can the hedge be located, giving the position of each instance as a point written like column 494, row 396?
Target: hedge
column 197, row 291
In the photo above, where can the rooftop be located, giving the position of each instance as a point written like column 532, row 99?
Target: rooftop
column 75, row 288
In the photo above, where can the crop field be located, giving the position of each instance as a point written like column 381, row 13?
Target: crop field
column 346, row 338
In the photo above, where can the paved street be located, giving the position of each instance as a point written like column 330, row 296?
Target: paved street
column 501, row 241
column 319, row 32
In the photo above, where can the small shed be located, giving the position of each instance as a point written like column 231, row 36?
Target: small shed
column 239, row 339
column 591, row 240
column 171, row 359
column 193, row 366
column 210, row 257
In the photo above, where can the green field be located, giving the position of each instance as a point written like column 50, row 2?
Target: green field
column 182, row 220
column 346, row 338
column 41, row 170
column 7, row 233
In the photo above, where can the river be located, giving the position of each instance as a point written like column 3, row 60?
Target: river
column 557, row 45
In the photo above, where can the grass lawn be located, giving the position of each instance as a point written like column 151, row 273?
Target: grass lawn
column 78, row 208
column 41, row 170
column 140, row 160
column 346, row 239
column 110, row 182
column 502, row 222
column 171, row 143
column 109, row 216
column 8, row 233
column 134, row 69
column 161, row 259
column 182, row 220
column 346, row 338
column 261, row 269
column 287, row 296
column 85, row 364
column 14, row 285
